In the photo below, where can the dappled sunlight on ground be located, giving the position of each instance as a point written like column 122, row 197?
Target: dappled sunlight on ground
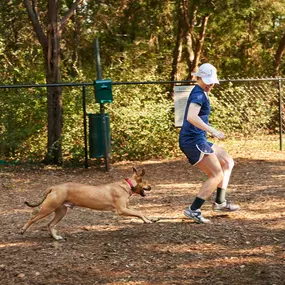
column 245, row 247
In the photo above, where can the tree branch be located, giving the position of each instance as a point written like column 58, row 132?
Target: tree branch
column 36, row 23
column 68, row 15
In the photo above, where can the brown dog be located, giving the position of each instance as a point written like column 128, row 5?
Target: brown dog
column 109, row 197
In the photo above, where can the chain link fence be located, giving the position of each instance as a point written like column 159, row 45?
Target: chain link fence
column 241, row 107
column 250, row 110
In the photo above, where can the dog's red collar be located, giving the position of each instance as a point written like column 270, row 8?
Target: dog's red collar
column 130, row 183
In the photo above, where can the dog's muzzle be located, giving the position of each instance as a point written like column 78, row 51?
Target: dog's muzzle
column 146, row 188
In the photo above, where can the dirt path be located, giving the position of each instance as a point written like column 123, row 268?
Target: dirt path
column 101, row 248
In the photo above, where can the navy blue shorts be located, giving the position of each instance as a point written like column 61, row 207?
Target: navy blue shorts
column 195, row 152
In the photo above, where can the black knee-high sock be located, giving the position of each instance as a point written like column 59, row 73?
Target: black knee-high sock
column 221, row 195
column 197, row 204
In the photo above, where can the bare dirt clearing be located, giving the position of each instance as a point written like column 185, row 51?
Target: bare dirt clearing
column 101, row 248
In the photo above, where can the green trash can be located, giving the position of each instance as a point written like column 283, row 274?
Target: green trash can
column 96, row 140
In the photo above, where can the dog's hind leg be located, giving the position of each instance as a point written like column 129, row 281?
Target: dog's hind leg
column 60, row 212
column 41, row 214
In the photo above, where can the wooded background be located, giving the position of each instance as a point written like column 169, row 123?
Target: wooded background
column 53, row 41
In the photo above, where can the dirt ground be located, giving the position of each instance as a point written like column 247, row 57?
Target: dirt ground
column 246, row 247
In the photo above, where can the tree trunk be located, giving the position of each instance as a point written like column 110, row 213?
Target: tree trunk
column 199, row 46
column 177, row 52
column 189, row 12
column 51, row 49
column 278, row 56
column 53, row 75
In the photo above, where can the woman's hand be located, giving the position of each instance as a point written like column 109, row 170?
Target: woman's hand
column 217, row 134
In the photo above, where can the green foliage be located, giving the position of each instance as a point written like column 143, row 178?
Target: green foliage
column 242, row 41
column 73, row 131
column 23, row 120
column 137, row 40
column 142, row 127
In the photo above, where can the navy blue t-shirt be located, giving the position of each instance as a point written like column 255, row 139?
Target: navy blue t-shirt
column 189, row 133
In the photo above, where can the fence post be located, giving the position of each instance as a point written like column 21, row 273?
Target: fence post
column 280, row 115
column 85, row 124
column 102, row 109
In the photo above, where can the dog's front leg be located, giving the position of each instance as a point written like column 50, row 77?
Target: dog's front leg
column 134, row 213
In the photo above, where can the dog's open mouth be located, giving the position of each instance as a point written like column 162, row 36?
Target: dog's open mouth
column 142, row 192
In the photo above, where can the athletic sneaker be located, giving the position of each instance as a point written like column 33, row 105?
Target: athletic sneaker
column 196, row 215
column 225, row 206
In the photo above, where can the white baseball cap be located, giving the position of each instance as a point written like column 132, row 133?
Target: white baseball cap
column 208, row 73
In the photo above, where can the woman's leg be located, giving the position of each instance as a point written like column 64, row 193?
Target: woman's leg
column 227, row 164
column 211, row 166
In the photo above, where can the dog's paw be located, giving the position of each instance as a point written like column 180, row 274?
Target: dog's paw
column 154, row 219
column 54, row 234
column 56, row 237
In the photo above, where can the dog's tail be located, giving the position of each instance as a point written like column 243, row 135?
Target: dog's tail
column 33, row 205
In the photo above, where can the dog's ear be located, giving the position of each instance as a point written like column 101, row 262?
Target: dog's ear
column 135, row 171
column 143, row 173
